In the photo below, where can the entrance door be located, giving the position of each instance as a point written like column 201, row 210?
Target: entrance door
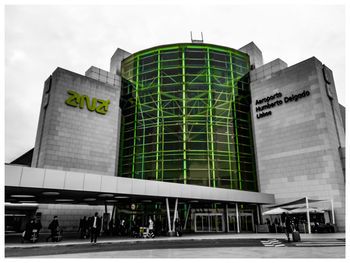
column 232, row 223
column 247, row 222
column 209, row 222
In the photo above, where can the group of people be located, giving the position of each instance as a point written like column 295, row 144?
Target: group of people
column 140, row 228
column 289, row 224
column 276, row 226
column 90, row 227
column 33, row 227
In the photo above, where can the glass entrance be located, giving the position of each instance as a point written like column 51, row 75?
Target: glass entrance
column 209, row 222
column 232, row 223
column 247, row 222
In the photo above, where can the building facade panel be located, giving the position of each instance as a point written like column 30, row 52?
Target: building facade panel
column 296, row 137
column 186, row 117
column 190, row 120
column 78, row 131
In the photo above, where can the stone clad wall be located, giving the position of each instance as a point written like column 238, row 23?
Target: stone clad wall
column 73, row 138
column 296, row 144
column 68, row 215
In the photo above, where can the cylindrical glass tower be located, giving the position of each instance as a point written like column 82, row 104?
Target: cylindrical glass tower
column 186, row 116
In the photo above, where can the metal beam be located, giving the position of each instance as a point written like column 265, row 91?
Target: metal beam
column 258, row 213
column 308, row 215
column 332, row 206
column 184, row 129
column 235, row 125
column 227, row 222
column 158, row 110
column 168, row 213
column 135, row 123
column 175, row 214
column 237, row 218
column 211, row 121
column 187, row 214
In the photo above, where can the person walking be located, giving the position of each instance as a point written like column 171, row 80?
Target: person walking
column 178, row 227
column 53, row 226
column 95, row 226
column 150, row 227
column 37, row 226
column 287, row 224
column 27, row 235
column 83, row 227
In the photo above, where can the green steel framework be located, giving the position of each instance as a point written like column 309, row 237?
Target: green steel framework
column 186, row 116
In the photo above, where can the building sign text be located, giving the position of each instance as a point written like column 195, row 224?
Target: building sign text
column 98, row 105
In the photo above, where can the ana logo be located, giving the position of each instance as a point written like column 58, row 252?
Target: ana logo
column 75, row 99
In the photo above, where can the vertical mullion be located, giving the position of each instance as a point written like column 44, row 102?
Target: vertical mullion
column 158, row 111
column 143, row 145
column 228, row 130
column 211, row 119
column 252, row 152
column 236, row 131
column 184, row 115
column 162, row 113
column 135, row 122
column 121, row 147
column 208, row 148
column 228, row 143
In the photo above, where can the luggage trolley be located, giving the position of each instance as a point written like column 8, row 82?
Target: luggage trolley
column 58, row 235
column 145, row 233
column 32, row 238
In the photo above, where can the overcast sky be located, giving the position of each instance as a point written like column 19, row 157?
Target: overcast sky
column 40, row 38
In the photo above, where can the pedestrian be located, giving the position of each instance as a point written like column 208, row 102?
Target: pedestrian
column 111, row 227
column 122, row 227
column 83, row 227
column 287, row 224
column 178, row 228
column 117, row 227
column 135, row 229
column 95, row 227
column 157, row 227
column 28, row 232
column 296, row 223
column 150, row 227
column 37, row 225
column 54, row 228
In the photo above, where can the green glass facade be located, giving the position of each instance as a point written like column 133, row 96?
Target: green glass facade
column 186, row 117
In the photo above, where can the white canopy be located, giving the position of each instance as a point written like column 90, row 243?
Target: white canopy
column 276, row 211
column 306, row 209
column 303, row 210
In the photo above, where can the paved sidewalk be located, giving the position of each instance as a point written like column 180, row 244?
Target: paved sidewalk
column 125, row 240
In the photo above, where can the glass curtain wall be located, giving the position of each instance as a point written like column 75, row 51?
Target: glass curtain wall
column 186, row 117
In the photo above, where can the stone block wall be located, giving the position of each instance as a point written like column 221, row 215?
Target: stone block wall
column 116, row 60
column 76, row 138
column 255, row 54
column 297, row 142
column 103, row 76
column 68, row 215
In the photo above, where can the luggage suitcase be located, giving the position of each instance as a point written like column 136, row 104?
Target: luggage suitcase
column 296, row 236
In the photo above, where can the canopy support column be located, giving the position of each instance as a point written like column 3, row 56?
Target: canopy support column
column 258, row 213
column 227, row 222
column 332, row 206
column 188, row 212
column 168, row 213
column 175, row 214
column 308, row 215
column 237, row 218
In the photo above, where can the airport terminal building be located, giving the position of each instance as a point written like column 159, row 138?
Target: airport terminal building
column 204, row 133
